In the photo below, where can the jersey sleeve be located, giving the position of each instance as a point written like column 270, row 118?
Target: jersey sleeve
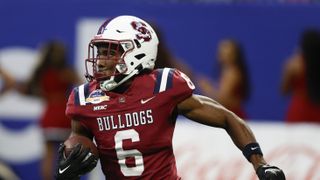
column 183, row 87
column 175, row 84
column 76, row 105
column 71, row 107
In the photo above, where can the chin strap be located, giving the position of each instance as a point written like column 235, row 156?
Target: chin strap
column 110, row 84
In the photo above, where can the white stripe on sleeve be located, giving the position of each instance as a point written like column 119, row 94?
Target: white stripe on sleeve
column 81, row 95
column 164, row 79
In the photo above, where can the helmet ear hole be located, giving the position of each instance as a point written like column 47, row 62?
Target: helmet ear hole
column 140, row 56
column 137, row 43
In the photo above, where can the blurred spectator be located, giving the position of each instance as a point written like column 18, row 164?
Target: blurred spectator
column 7, row 81
column 232, row 88
column 52, row 80
column 167, row 59
column 301, row 79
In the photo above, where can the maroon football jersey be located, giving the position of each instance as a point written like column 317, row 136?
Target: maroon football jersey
column 133, row 130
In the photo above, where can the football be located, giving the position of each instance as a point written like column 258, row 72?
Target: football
column 71, row 142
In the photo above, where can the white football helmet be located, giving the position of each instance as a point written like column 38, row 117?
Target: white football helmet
column 134, row 40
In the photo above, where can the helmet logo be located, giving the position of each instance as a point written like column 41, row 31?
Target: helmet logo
column 143, row 32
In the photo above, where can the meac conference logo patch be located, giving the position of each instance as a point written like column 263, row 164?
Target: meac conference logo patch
column 97, row 96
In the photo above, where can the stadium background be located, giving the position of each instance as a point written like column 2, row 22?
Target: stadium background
column 268, row 30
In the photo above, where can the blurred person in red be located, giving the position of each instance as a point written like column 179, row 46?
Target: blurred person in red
column 301, row 79
column 232, row 88
column 52, row 80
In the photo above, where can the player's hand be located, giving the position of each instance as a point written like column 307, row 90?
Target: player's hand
column 79, row 162
column 267, row 172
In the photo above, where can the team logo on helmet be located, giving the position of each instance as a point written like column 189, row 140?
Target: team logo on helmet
column 143, row 32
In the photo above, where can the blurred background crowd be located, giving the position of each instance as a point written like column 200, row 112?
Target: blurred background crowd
column 259, row 58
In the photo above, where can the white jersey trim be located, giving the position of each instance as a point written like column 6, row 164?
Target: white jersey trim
column 164, row 79
column 81, row 95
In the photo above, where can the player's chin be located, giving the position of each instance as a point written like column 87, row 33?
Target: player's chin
column 109, row 72
column 105, row 76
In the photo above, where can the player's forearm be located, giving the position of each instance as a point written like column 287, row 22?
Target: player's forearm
column 245, row 140
column 214, row 114
column 78, row 129
column 239, row 131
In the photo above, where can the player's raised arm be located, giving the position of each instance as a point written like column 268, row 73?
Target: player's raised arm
column 209, row 112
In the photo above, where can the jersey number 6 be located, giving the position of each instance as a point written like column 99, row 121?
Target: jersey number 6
column 123, row 154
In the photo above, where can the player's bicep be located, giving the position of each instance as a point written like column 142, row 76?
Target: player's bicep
column 203, row 110
column 78, row 129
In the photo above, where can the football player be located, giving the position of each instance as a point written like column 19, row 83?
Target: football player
column 130, row 109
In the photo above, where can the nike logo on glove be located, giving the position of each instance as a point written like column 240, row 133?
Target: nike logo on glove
column 269, row 170
column 143, row 101
column 63, row 170
column 254, row 148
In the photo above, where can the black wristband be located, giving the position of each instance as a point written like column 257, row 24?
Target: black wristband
column 250, row 149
